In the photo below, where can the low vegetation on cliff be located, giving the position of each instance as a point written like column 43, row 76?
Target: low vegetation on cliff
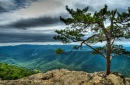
column 10, row 72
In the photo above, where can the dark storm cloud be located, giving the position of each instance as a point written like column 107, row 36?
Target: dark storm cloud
column 2, row 9
column 10, row 5
column 23, row 3
column 26, row 37
column 33, row 22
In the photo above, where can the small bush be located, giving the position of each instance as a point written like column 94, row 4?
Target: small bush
column 10, row 72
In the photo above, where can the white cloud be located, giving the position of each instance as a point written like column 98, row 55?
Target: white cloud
column 43, row 8
column 49, row 30
column 51, row 8
column 6, row 18
column 31, row 43
column 112, row 4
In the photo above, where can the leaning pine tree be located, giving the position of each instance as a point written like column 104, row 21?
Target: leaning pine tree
column 82, row 24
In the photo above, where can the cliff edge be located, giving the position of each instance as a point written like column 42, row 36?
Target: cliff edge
column 66, row 77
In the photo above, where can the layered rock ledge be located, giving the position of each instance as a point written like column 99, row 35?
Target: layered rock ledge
column 66, row 77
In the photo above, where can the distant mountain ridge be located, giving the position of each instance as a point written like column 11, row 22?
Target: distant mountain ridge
column 43, row 58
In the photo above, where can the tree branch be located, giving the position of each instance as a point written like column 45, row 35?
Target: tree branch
column 112, row 41
column 94, row 49
column 91, row 36
column 121, row 22
column 76, row 48
column 117, row 25
column 105, row 31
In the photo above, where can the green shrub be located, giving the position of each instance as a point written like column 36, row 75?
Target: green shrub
column 10, row 72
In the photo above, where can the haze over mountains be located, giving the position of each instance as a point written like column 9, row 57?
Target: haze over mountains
column 43, row 58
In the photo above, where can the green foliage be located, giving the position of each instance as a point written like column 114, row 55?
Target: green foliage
column 59, row 51
column 101, row 49
column 119, row 50
column 9, row 72
column 116, row 50
column 82, row 23
column 75, row 47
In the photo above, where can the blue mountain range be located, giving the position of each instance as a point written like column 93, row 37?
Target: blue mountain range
column 43, row 58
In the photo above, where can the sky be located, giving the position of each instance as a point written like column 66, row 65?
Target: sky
column 36, row 20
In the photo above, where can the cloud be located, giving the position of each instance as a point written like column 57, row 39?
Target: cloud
column 41, row 17
column 2, row 9
column 33, row 22
column 11, row 5
column 95, row 5
column 25, row 37
column 44, row 8
column 6, row 5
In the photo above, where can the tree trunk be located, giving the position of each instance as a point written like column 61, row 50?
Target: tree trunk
column 108, row 60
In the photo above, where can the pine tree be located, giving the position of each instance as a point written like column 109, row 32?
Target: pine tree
column 82, row 23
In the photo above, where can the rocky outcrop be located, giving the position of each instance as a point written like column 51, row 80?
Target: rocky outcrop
column 66, row 77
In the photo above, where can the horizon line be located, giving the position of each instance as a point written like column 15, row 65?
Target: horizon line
column 53, row 43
